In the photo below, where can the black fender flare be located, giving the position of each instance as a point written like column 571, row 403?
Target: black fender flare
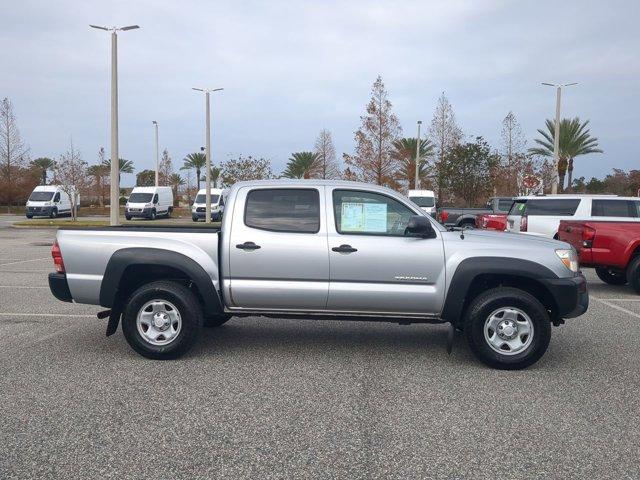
column 469, row 269
column 126, row 257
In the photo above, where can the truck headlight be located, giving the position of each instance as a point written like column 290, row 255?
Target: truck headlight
column 569, row 258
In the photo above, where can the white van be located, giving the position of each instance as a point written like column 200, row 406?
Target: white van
column 198, row 209
column 48, row 201
column 149, row 202
column 425, row 199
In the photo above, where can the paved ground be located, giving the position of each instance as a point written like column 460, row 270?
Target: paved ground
column 277, row 399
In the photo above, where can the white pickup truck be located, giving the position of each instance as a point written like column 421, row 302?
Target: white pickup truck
column 322, row 250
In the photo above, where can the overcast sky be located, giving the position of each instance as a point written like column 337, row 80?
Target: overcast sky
column 292, row 68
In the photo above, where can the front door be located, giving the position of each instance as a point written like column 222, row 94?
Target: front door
column 374, row 267
column 278, row 250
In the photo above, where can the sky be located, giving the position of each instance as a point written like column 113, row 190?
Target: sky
column 292, row 68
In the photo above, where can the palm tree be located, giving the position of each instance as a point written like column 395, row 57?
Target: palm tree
column 198, row 161
column 404, row 151
column 44, row 164
column 99, row 172
column 302, row 165
column 126, row 166
column 575, row 139
column 176, row 181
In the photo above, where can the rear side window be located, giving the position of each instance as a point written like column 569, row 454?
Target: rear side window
column 564, row 207
column 614, row 208
column 283, row 210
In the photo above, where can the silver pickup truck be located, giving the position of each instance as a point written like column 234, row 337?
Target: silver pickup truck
column 322, row 250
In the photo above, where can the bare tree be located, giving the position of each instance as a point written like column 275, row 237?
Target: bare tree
column 328, row 167
column 166, row 168
column 14, row 153
column 245, row 168
column 513, row 156
column 372, row 161
column 71, row 174
column 444, row 134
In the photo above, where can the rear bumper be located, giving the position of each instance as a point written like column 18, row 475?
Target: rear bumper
column 59, row 287
column 570, row 294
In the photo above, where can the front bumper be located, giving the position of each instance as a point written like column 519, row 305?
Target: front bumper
column 38, row 211
column 59, row 287
column 570, row 294
column 138, row 212
column 215, row 216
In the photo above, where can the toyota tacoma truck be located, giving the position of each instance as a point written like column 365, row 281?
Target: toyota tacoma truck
column 317, row 249
column 611, row 247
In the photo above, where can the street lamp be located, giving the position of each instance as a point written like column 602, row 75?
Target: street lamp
column 155, row 124
column 556, row 134
column 207, row 91
column 115, row 158
column 417, row 180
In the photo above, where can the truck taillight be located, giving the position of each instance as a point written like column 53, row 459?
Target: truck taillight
column 523, row 224
column 57, row 257
column 444, row 216
column 588, row 234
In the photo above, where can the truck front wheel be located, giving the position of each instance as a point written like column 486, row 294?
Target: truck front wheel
column 507, row 328
column 633, row 273
column 611, row 276
column 162, row 320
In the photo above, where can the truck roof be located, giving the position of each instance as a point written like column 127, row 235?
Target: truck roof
column 313, row 182
column 422, row 193
column 148, row 189
column 46, row 188
column 567, row 195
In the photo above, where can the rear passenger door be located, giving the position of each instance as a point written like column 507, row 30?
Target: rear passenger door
column 278, row 251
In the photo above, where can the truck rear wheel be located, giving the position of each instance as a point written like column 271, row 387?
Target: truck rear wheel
column 611, row 276
column 162, row 320
column 633, row 273
column 507, row 328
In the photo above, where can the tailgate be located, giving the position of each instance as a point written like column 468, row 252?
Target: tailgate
column 573, row 233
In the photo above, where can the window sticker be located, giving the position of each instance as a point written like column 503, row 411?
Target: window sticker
column 352, row 217
column 375, row 217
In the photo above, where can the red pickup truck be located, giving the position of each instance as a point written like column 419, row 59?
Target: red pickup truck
column 611, row 247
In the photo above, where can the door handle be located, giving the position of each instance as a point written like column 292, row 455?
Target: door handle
column 344, row 249
column 247, row 246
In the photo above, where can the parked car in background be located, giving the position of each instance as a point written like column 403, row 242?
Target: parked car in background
column 48, row 201
column 610, row 246
column 492, row 221
column 149, row 202
column 199, row 207
column 322, row 249
column 541, row 215
column 466, row 217
column 425, row 199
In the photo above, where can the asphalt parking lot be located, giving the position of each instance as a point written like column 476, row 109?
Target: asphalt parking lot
column 265, row 398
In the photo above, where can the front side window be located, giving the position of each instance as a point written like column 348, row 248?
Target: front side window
column 560, row 207
column 57, row 197
column 614, row 208
column 504, row 205
column 518, row 207
column 283, row 210
column 368, row 213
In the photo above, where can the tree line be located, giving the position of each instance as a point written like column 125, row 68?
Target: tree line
column 461, row 169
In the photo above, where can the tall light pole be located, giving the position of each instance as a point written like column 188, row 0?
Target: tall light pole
column 556, row 133
column 417, row 180
column 207, row 186
column 115, row 158
column 155, row 124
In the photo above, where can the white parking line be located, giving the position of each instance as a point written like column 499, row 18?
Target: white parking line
column 617, row 307
column 24, row 261
column 19, row 286
column 620, row 299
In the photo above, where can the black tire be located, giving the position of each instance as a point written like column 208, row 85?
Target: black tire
column 195, row 219
column 633, row 274
column 29, row 216
column 480, row 310
column 152, row 215
column 468, row 223
column 127, row 217
column 169, row 212
column 611, row 276
column 216, row 320
column 188, row 308
column 53, row 213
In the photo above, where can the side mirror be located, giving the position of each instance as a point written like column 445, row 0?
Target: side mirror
column 419, row 226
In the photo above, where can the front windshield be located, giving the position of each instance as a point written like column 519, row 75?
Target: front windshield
column 40, row 196
column 140, row 197
column 202, row 198
column 423, row 201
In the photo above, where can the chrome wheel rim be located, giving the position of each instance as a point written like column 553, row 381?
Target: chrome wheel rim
column 508, row 331
column 159, row 322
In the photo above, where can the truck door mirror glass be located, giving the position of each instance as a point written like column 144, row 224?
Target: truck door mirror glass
column 419, row 226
